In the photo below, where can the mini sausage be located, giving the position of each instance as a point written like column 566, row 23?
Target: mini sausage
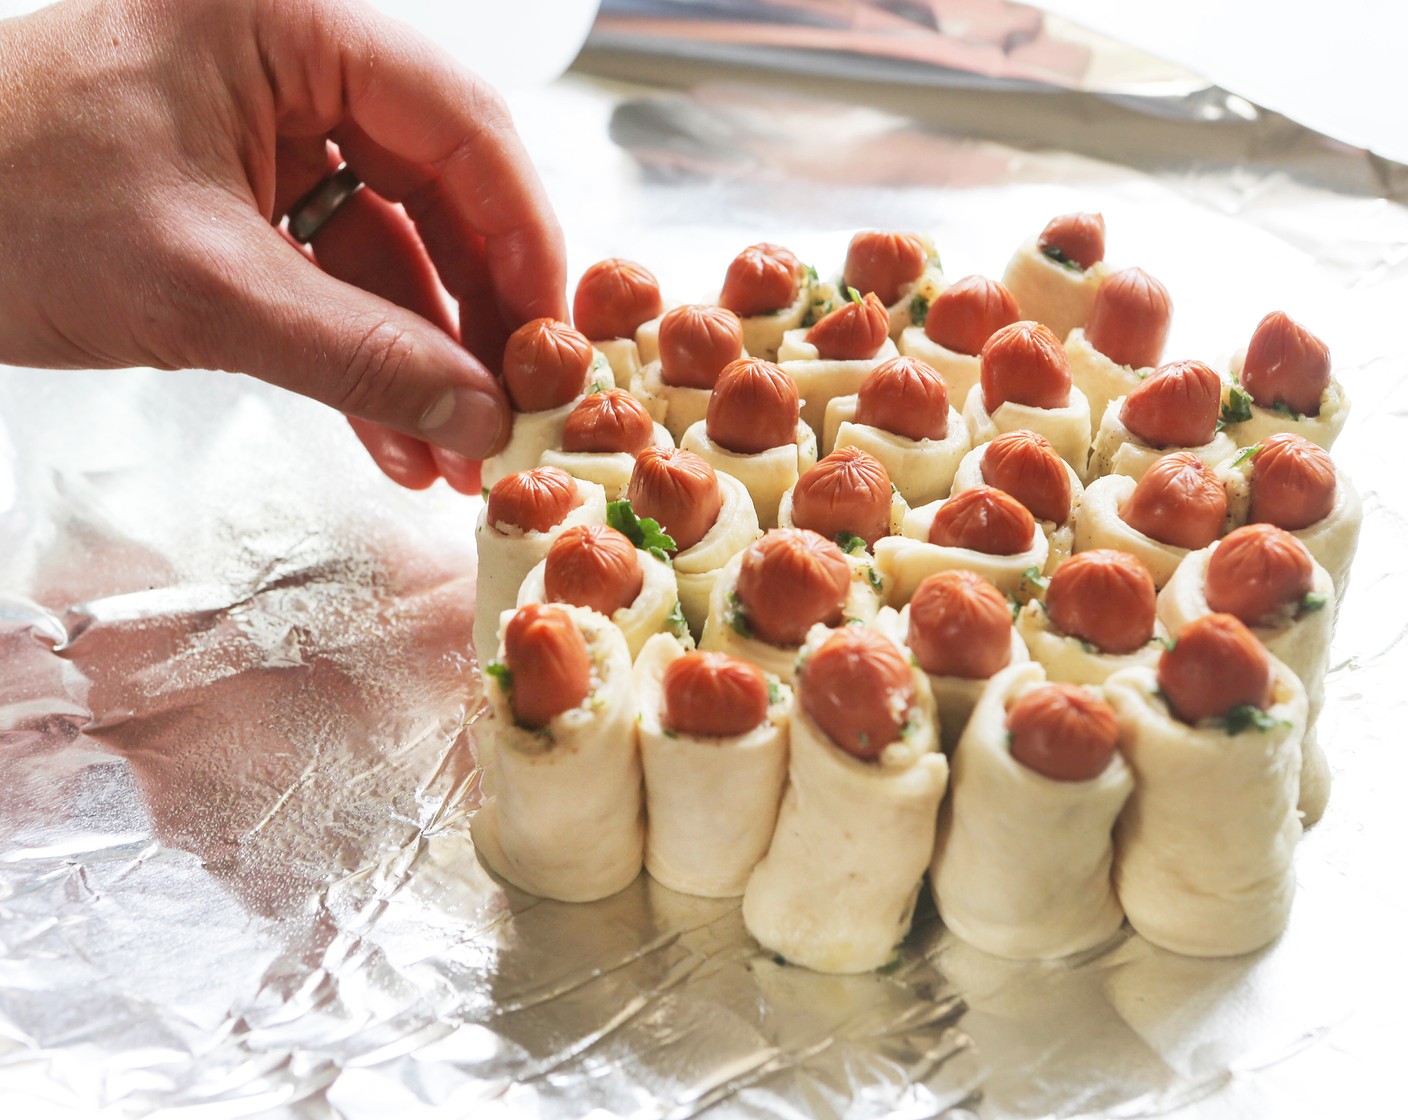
column 848, row 492
column 1129, row 318
column 545, row 365
column 1103, row 597
column 790, row 580
column 593, row 566
column 608, row 421
column 1292, row 482
column 906, row 397
column 963, row 317
column 983, row 519
column 1078, row 238
column 713, row 696
column 1175, row 406
column 761, row 279
column 533, row 500
column 1286, row 364
column 858, row 689
column 696, row 342
column 614, row 297
column 1025, row 465
column 754, row 407
column 1026, row 364
column 677, row 488
column 550, row 665
column 1179, row 502
column 884, row 262
column 1216, row 665
column 1063, row 732
column 1258, row 572
column 960, row 625
column 853, row 331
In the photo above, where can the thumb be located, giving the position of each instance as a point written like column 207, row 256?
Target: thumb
column 283, row 320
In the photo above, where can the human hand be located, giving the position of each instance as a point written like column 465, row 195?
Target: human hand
column 146, row 146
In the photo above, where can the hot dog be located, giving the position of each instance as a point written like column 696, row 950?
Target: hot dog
column 754, row 407
column 1175, row 406
column 960, row 625
column 713, row 695
column 545, row 365
column 614, row 297
column 1025, row 465
column 608, row 421
column 1287, row 365
column 1216, row 665
column 1293, row 482
column 1063, row 732
column 964, row 316
column 679, row 490
column 550, row 666
column 1129, row 319
column 790, row 580
column 884, row 262
column 1258, row 572
column 983, row 519
column 761, row 279
column 1103, row 597
column 857, row 688
column 593, row 566
column 1024, row 363
column 1179, row 502
column 854, row 331
column 533, row 500
column 1077, row 239
column 846, row 494
column 696, row 342
column 904, row 396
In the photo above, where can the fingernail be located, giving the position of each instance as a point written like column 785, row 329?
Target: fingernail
column 465, row 421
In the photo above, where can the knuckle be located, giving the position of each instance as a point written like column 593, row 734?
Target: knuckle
column 377, row 371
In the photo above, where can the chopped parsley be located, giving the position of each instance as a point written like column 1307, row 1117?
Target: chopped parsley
column 809, row 271
column 851, row 294
column 919, row 310
column 643, row 532
column 1167, row 643
column 774, row 693
column 1246, row 455
column 1055, row 253
column 1246, row 716
column 1312, row 602
column 601, row 378
column 675, row 621
column 669, row 734
column 737, row 620
column 851, row 544
column 1286, row 410
column 1237, row 410
column 874, row 577
column 1015, row 604
column 1034, row 577
column 501, row 673
column 484, row 493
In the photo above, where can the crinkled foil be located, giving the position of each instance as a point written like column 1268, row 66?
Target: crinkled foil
column 236, row 698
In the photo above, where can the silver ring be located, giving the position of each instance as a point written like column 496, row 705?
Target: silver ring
column 315, row 209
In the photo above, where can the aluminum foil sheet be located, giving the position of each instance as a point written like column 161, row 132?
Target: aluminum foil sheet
column 237, row 701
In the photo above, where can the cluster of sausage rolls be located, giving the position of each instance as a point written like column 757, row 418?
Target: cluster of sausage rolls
column 985, row 592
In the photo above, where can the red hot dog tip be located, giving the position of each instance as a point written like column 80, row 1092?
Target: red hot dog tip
column 846, row 492
column 1103, row 597
column 1025, row 465
column 1026, row 364
column 853, row 331
column 790, row 580
column 1286, row 364
column 1179, row 502
column 1216, row 665
column 1079, row 238
column 696, row 342
column 904, row 396
column 960, row 626
column 963, row 317
column 551, row 666
column 754, row 407
column 1292, row 482
column 609, row 421
column 983, row 519
column 677, row 488
column 858, row 689
column 1063, row 732
column 1175, row 406
column 1256, row 572
column 614, row 297
column 761, row 279
column 1129, row 318
column 713, row 696
column 593, row 566
column 545, row 365
column 883, row 262
column 533, row 500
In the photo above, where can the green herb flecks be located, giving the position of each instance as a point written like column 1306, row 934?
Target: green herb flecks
column 1055, row 253
column 737, row 620
column 1246, row 455
column 1247, row 716
column 774, row 693
column 1237, row 410
column 501, row 673
column 643, row 532
column 1312, row 602
column 1281, row 408
column 919, row 310
column 852, row 295
column 875, row 581
column 676, row 623
column 1034, row 577
column 850, row 544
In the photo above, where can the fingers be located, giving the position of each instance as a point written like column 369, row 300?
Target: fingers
column 403, row 459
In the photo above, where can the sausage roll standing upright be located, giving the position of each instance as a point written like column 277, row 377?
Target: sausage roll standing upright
column 1265, row 578
column 833, row 358
column 903, row 417
column 959, row 628
column 696, row 342
column 1097, row 618
column 708, row 516
column 1026, row 384
column 1204, row 848
column 713, row 741
column 846, row 498
column 1177, row 507
column 771, row 594
column 1123, row 339
column 983, row 530
column 1283, row 383
column 564, row 818
column 753, row 431
column 837, row 888
column 524, row 514
column 771, row 292
column 1022, row 864
column 614, row 301
column 601, row 438
column 596, row 566
column 1291, row 483
column 548, row 368
column 902, row 269
column 960, row 321
column 1025, row 465
column 1055, row 275
column 1174, row 409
